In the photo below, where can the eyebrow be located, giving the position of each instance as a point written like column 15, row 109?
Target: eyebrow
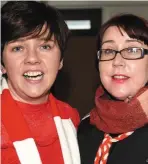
column 45, row 39
column 128, row 41
column 107, row 41
column 38, row 38
column 17, row 40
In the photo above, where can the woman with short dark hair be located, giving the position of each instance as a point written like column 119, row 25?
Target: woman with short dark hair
column 116, row 130
column 36, row 127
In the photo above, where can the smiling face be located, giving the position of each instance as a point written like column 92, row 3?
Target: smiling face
column 31, row 65
column 120, row 77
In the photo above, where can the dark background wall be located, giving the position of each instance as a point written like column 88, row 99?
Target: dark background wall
column 79, row 78
column 77, row 81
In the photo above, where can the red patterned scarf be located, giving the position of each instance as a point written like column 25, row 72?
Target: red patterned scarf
column 117, row 117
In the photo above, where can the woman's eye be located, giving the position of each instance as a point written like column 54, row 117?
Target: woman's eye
column 132, row 50
column 17, row 49
column 108, row 51
column 46, row 47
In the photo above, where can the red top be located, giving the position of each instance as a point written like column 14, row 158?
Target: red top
column 41, row 124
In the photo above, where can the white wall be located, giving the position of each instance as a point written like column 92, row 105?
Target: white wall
column 109, row 11
column 109, row 8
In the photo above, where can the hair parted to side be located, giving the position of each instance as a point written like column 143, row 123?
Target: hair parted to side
column 27, row 18
column 136, row 27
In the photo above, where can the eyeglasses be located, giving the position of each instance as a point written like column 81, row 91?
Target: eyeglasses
column 131, row 53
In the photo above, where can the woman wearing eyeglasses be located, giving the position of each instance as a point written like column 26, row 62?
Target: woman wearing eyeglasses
column 116, row 130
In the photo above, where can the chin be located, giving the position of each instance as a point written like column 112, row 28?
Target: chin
column 35, row 94
column 36, row 98
column 120, row 97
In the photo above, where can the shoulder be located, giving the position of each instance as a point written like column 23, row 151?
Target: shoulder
column 69, row 112
column 87, row 131
column 89, row 139
column 141, row 134
column 85, row 126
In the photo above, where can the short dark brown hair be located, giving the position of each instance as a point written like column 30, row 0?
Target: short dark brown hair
column 27, row 18
column 136, row 27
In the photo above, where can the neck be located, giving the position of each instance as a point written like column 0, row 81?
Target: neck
column 118, row 116
column 27, row 99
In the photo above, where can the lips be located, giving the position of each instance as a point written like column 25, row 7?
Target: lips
column 120, row 78
column 34, row 75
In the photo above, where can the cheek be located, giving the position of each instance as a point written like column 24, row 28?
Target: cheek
column 8, row 67
column 147, row 69
column 147, row 75
column 139, row 72
column 52, row 66
column 9, row 63
column 52, row 59
column 104, row 70
column 11, row 67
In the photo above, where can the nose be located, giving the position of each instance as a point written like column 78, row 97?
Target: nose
column 118, row 60
column 32, row 57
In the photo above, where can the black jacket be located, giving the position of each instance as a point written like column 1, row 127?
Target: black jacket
column 131, row 150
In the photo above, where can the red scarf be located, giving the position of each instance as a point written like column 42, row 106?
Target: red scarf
column 116, row 117
column 12, row 114
column 23, row 140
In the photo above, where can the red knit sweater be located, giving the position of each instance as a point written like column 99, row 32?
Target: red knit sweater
column 40, row 121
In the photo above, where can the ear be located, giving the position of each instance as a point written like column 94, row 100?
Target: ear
column 61, row 64
column 3, row 69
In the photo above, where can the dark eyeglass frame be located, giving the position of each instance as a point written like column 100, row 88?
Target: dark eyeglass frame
column 143, row 52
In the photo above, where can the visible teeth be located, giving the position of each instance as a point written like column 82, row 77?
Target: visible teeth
column 119, row 77
column 35, row 78
column 32, row 73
